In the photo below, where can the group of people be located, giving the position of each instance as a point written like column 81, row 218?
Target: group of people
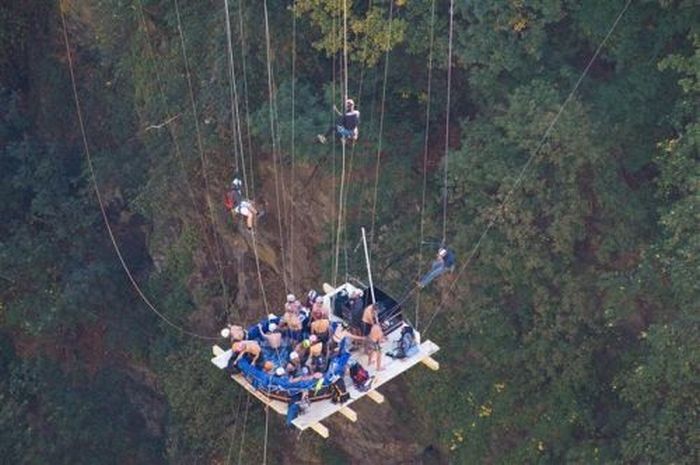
column 303, row 342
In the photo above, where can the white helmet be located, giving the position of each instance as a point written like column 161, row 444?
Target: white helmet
column 225, row 333
column 272, row 327
column 442, row 252
column 291, row 298
column 236, row 183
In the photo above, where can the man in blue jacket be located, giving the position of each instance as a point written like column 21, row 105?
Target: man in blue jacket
column 445, row 262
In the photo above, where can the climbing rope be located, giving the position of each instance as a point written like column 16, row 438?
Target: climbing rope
column 178, row 151
column 100, row 201
column 245, row 93
column 343, row 143
column 235, row 117
column 447, row 123
column 245, row 424
column 270, row 89
column 200, row 145
column 426, row 139
column 235, row 427
column 525, row 167
column 381, row 129
column 293, row 146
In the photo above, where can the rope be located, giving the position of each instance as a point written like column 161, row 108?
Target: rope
column 245, row 424
column 274, row 147
column 233, row 94
column 200, row 146
column 522, row 172
column 245, row 94
column 235, row 427
column 352, row 159
column 100, row 201
column 343, row 143
column 293, row 175
column 447, row 122
column 381, row 129
column 333, row 206
column 267, row 422
column 178, row 151
column 425, row 153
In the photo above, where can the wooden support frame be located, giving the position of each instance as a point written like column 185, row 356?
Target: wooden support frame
column 376, row 396
column 349, row 413
column 431, row 363
column 320, row 429
column 321, row 410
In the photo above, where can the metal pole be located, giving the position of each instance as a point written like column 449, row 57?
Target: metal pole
column 369, row 269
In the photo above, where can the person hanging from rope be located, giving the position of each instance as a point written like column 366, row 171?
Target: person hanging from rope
column 444, row 262
column 346, row 126
column 236, row 204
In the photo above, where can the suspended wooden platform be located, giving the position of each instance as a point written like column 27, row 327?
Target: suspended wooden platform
column 321, row 410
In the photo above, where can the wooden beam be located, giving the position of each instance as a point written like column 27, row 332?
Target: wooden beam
column 375, row 396
column 349, row 413
column 431, row 363
column 320, row 429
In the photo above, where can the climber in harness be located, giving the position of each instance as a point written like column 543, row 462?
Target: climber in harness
column 346, row 126
column 237, row 205
column 444, row 262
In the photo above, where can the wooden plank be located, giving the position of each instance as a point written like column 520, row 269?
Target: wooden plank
column 276, row 405
column 431, row 363
column 349, row 413
column 320, row 429
column 216, row 350
column 375, row 396
column 321, row 410
column 328, row 289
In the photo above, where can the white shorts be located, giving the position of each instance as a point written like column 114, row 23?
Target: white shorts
column 244, row 208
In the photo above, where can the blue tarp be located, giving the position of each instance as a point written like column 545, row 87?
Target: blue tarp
column 281, row 384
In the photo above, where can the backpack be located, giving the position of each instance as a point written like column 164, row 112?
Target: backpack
column 407, row 343
column 360, row 377
column 339, row 393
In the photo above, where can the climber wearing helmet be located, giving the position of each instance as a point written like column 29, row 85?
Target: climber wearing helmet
column 236, row 204
column 346, row 126
column 444, row 262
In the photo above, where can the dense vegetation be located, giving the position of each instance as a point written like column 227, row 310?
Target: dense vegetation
column 570, row 336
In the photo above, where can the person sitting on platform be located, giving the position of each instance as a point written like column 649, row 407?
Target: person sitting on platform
column 234, row 333
column 294, row 364
column 302, row 348
column 293, row 305
column 310, row 298
column 273, row 338
column 317, row 362
column 318, row 311
column 250, row 348
column 444, row 262
column 321, row 329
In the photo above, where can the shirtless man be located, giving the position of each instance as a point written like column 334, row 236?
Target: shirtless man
column 374, row 348
column 273, row 338
column 251, row 348
column 369, row 318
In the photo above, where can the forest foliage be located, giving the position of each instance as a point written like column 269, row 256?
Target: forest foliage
column 570, row 335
